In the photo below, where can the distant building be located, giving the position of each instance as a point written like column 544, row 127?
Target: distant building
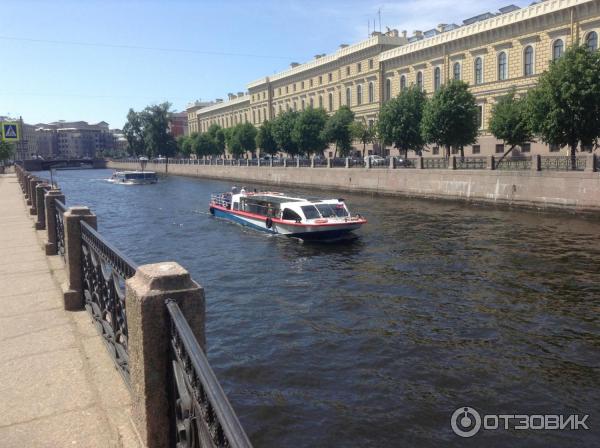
column 178, row 124
column 192, row 119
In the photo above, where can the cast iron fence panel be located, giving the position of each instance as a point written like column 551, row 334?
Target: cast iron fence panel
column 201, row 415
column 556, row 163
column 252, row 162
column 304, row 162
column 580, row 163
column 104, row 271
column 277, row 162
column 406, row 163
column 430, row 163
column 471, row 163
column 320, row 163
column 59, row 226
column 514, row 164
column 356, row 163
column 338, row 162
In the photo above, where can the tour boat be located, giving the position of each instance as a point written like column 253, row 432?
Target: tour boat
column 134, row 177
column 278, row 213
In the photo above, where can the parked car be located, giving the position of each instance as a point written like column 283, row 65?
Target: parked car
column 375, row 160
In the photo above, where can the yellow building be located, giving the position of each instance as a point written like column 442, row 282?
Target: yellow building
column 492, row 52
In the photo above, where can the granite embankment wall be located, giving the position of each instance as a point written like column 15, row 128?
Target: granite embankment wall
column 569, row 190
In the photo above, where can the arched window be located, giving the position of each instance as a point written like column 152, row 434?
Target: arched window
column 348, row 97
column 321, row 101
column 295, row 106
column 437, row 79
column 478, row 71
column 557, row 49
column 402, row 83
column 303, row 106
column 502, row 66
column 420, row 81
column 312, row 102
column 388, row 89
column 528, row 61
column 371, row 93
column 330, row 102
column 359, row 94
column 591, row 41
column 456, row 70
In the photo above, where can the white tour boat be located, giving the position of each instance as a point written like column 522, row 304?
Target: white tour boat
column 281, row 214
column 134, row 177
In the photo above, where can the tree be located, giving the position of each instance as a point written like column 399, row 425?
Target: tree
column 184, row 143
column 7, row 151
column 215, row 132
column 265, row 139
column 308, row 131
column 400, row 121
column 245, row 134
column 133, row 133
column 509, row 122
column 282, row 129
column 338, row 130
column 203, row 145
column 363, row 133
column 155, row 128
column 564, row 107
column 450, row 117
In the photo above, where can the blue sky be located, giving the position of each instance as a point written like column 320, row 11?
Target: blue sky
column 93, row 60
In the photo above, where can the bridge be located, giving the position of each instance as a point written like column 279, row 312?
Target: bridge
column 45, row 165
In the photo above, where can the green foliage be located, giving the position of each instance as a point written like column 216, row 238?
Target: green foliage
column 7, row 150
column 216, row 133
column 338, row 130
column 510, row 122
column 564, row 107
column 400, row 120
column 265, row 139
column 308, row 131
column 147, row 132
column 242, row 138
column 184, row 144
column 282, row 130
column 450, row 117
column 363, row 133
column 204, row 145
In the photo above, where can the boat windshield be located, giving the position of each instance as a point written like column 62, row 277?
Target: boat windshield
column 332, row 210
column 310, row 211
column 140, row 176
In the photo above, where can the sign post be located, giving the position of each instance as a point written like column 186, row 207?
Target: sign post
column 11, row 131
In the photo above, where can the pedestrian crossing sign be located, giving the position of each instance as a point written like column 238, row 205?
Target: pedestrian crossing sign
column 10, row 131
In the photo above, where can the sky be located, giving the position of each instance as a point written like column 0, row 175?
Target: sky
column 93, row 60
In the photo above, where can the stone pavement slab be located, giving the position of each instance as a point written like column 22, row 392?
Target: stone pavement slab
column 58, row 385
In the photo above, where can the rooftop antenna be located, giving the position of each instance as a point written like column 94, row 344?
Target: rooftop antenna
column 379, row 12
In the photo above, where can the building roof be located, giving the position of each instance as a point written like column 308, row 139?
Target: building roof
column 233, row 102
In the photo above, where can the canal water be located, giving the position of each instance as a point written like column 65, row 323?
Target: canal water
column 436, row 306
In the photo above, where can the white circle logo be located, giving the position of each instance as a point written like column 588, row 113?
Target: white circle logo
column 466, row 422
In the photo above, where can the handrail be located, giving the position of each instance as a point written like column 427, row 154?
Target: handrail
column 220, row 422
column 60, row 206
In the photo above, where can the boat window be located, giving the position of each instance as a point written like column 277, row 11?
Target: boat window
column 326, row 210
column 291, row 215
column 310, row 211
column 340, row 210
column 236, row 205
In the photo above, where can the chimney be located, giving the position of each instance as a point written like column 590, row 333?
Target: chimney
column 294, row 64
column 376, row 33
column 240, row 94
column 318, row 56
column 442, row 27
column 343, row 45
column 392, row 33
column 219, row 100
column 230, row 96
column 418, row 33
column 404, row 33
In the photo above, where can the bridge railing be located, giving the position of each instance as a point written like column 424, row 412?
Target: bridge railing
column 151, row 319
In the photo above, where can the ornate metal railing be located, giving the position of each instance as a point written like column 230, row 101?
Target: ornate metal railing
column 59, row 226
column 406, row 163
column 471, row 163
column 104, row 271
column 435, row 163
column 580, row 163
column 338, row 162
column 556, row 163
column 201, row 415
column 304, row 162
column 319, row 163
column 514, row 163
column 356, row 163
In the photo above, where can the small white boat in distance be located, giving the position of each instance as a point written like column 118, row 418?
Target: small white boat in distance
column 134, row 177
column 277, row 213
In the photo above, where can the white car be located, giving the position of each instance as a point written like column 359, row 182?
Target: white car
column 375, row 160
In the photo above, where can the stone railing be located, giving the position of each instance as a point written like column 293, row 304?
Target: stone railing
column 151, row 319
column 583, row 162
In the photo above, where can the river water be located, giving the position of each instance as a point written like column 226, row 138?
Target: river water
column 435, row 306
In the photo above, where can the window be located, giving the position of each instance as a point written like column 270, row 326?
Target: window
column 295, row 106
column 311, row 102
column 310, row 82
column 478, row 71
column 310, row 211
column 554, row 148
column 287, row 90
column 348, row 96
column 330, row 102
column 371, row 93
column 253, row 116
column 591, row 41
column 480, row 116
column 388, row 89
column 264, row 95
column 435, row 151
column 370, row 64
column 359, row 94
column 476, row 149
column 320, row 80
column 329, row 77
column 454, row 150
column 420, row 81
column 502, row 66
column 294, row 87
column 279, row 109
column 290, row 215
column 303, row 106
column 348, row 71
column 259, row 115
column 499, row 148
column 402, row 82
column 359, row 67
column 528, row 61
column 456, row 70
column 321, row 101
column 526, row 147
column 557, row 49
column 437, row 79
column 302, row 85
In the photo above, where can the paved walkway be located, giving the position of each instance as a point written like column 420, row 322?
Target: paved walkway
column 58, row 386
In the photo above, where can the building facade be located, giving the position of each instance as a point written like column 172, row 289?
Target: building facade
column 492, row 52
